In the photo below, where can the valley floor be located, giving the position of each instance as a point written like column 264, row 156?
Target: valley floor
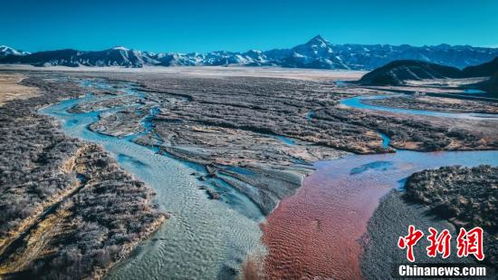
column 250, row 136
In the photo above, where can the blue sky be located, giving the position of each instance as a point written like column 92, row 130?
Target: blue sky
column 201, row 26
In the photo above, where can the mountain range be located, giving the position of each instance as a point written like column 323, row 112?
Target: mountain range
column 317, row 53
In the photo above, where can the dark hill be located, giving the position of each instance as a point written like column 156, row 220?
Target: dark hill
column 482, row 70
column 397, row 72
column 490, row 86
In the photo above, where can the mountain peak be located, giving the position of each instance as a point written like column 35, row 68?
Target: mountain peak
column 318, row 39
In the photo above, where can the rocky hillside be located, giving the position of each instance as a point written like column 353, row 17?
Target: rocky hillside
column 317, row 53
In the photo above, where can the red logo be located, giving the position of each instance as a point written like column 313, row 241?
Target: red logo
column 468, row 243
column 409, row 241
column 439, row 243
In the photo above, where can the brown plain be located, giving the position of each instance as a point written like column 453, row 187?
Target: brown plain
column 10, row 88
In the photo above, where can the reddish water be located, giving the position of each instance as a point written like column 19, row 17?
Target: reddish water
column 316, row 233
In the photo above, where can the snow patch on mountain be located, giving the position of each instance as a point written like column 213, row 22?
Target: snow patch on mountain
column 5, row 51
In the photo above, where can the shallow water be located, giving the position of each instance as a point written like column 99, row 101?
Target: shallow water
column 317, row 231
column 385, row 140
column 204, row 239
column 286, row 140
column 474, row 91
column 356, row 102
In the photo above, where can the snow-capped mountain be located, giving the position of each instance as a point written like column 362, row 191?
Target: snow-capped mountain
column 373, row 56
column 320, row 53
column 216, row 58
column 5, row 51
column 118, row 56
column 316, row 53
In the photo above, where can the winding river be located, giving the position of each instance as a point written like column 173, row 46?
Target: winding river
column 313, row 233
column 203, row 239
column 357, row 102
